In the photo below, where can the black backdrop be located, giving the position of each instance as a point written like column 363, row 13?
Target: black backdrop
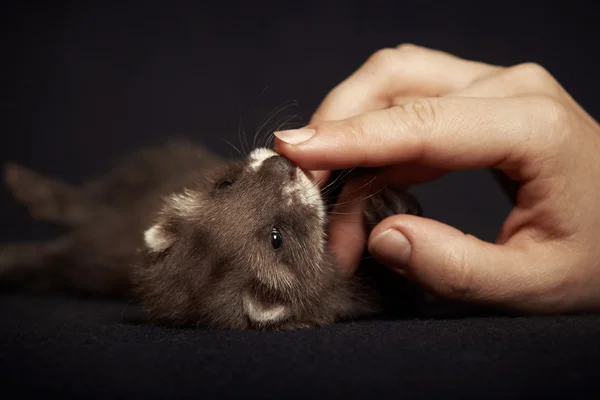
column 84, row 84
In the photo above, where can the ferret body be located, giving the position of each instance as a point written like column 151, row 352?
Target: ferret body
column 197, row 240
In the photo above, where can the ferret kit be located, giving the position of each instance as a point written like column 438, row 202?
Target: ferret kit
column 195, row 239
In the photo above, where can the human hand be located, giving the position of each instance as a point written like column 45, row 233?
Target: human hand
column 418, row 113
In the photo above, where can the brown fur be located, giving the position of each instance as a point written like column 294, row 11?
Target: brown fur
column 217, row 248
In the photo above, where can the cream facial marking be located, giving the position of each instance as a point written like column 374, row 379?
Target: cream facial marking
column 260, row 313
column 156, row 239
column 306, row 191
column 301, row 187
column 258, row 156
column 184, row 203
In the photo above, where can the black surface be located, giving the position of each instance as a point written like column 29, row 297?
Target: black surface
column 97, row 349
column 84, row 84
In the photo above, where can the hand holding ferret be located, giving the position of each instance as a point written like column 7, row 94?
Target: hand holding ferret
column 417, row 113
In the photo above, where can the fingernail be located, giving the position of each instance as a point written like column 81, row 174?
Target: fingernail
column 391, row 248
column 295, row 136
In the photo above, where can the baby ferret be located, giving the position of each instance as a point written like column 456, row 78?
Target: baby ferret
column 196, row 239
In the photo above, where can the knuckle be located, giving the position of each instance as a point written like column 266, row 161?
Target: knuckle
column 383, row 59
column 555, row 112
column 554, row 120
column 531, row 70
column 415, row 119
column 356, row 131
column 531, row 74
column 408, row 47
column 357, row 135
column 424, row 112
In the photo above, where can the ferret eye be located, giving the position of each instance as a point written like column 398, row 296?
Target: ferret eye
column 276, row 238
column 224, row 184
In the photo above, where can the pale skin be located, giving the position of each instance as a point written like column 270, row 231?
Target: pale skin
column 419, row 113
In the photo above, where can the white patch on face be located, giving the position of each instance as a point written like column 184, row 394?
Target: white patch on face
column 260, row 313
column 306, row 191
column 300, row 189
column 258, row 156
column 184, row 203
column 156, row 239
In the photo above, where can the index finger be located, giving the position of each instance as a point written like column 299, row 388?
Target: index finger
column 446, row 133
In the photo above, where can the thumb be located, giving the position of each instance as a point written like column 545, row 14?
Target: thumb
column 451, row 264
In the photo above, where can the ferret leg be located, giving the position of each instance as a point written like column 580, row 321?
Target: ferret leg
column 48, row 199
column 24, row 261
column 390, row 202
column 61, row 264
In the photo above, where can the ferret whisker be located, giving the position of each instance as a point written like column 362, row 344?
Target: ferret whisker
column 355, row 213
column 269, row 142
column 232, row 145
column 359, row 200
column 363, row 186
column 321, row 179
column 325, row 194
column 261, row 92
column 278, row 125
column 241, row 128
column 324, row 190
column 315, row 185
column 341, row 176
column 265, row 141
column 246, row 140
column 286, row 104
column 286, row 121
column 278, row 109
column 240, row 136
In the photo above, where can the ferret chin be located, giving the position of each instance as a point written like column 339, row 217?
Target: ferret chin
column 197, row 240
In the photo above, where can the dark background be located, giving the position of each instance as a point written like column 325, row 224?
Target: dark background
column 83, row 84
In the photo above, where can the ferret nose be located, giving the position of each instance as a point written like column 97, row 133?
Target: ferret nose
column 282, row 165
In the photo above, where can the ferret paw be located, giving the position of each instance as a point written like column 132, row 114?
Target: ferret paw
column 31, row 190
column 390, row 202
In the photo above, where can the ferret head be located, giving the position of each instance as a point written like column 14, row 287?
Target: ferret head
column 244, row 247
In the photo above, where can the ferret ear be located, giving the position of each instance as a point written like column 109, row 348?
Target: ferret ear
column 261, row 313
column 178, row 205
column 157, row 238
